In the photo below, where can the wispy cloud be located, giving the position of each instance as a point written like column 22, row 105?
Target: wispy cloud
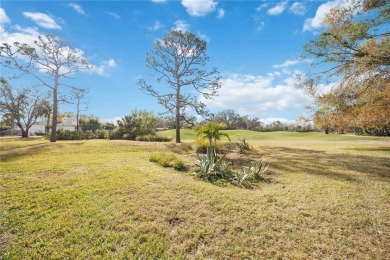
column 156, row 26
column 159, row 1
column 298, row 8
column 42, row 20
column 199, row 8
column 181, row 25
column 261, row 7
column 203, row 37
column 221, row 13
column 104, row 67
column 278, row 9
column 286, row 64
column 3, row 17
column 115, row 15
column 77, row 8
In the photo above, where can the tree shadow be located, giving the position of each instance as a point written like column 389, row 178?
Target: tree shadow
column 367, row 149
column 15, row 153
column 335, row 166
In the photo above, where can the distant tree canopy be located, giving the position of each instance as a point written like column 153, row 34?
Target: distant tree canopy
column 89, row 123
column 353, row 55
column 179, row 60
column 22, row 106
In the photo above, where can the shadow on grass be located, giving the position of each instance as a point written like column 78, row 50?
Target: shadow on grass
column 376, row 149
column 14, row 153
column 334, row 166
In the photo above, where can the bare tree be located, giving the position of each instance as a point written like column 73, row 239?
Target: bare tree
column 24, row 106
column 77, row 94
column 178, row 60
column 49, row 61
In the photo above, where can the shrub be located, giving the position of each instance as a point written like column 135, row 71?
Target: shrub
column 79, row 135
column 167, row 160
column 243, row 146
column 116, row 134
column 153, row 138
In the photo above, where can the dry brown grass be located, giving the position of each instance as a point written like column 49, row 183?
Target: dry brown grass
column 104, row 199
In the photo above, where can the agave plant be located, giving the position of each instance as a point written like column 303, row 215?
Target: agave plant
column 257, row 168
column 243, row 146
column 210, row 165
column 240, row 177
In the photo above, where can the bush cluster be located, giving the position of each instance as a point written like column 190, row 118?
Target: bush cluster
column 153, row 138
column 79, row 135
column 168, row 160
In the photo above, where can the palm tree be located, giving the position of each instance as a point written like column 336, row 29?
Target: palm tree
column 211, row 131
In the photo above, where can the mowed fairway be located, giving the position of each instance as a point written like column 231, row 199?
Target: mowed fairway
column 327, row 197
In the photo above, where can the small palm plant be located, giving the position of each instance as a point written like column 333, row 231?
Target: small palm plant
column 211, row 132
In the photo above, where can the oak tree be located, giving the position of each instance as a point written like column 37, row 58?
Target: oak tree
column 353, row 55
column 24, row 106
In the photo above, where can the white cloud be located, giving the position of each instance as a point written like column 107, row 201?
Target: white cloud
column 104, row 67
column 111, row 63
column 29, row 35
column 3, row 17
column 181, row 25
column 256, row 95
column 261, row 7
column 199, row 8
column 298, row 8
column 42, row 20
column 260, row 26
column 23, row 35
column 221, row 13
column 156, row 26
column 203, row 37
column 277, row 9
column 159, row 1
column 77, row 8
column 316, row 22
column 115, row 15
column 285, row 64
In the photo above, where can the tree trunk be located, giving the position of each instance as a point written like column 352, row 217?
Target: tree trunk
column 24, row 133
column 77, row 116
column 178, row 115
column 53, row 136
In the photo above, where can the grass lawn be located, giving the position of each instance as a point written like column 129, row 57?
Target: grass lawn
column 328, row 197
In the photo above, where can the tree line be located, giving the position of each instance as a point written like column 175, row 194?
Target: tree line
column 351, row 56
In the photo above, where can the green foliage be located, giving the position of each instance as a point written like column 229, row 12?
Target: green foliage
column 79, row 135
column 90, row 123
column 168, row 160
column 243, row 146
column 153, row 138
column 138, row 123
column 115, row 134
column 211, row 166
column 211, row 132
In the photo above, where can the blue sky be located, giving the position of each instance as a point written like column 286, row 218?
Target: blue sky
column 254, row 44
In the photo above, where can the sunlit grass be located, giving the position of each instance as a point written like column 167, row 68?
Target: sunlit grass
column 328, row 197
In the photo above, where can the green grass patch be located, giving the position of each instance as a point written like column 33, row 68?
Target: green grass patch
column 167, row 160
column 327, row 198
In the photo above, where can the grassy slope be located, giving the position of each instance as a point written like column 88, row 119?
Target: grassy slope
column 328, row 198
